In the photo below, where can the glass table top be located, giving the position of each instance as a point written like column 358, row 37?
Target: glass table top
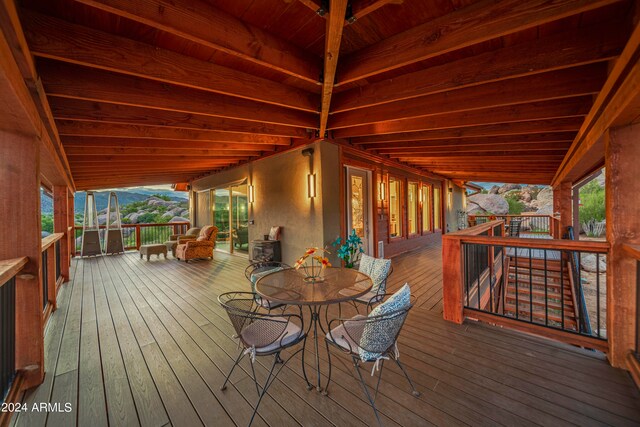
column 291, row 286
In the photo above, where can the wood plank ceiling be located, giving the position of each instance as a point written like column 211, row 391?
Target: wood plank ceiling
column 152, row 91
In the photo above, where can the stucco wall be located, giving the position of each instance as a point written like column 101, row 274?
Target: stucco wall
column 458, row 203
column 280, row 183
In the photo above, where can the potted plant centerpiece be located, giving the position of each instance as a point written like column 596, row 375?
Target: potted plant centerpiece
column 350, row 250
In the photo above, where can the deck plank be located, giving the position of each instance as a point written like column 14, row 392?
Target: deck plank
column 137, row 342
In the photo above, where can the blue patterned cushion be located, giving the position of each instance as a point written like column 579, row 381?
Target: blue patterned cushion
column 379, row 335
column 378, row 270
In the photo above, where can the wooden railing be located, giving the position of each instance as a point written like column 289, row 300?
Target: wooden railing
column 529, row 224
column 51, row 268
column 136, row 235
column 533, row 285
column 9, row 269
column 633, row 358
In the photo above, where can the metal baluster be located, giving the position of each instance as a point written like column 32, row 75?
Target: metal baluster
column 580, row 318
column 546, row 292
column 490, row 256
column 515, row 249
column 466, row 270
column 477, row 255
column 530, row 288
column 598, row 294
column 562, row 288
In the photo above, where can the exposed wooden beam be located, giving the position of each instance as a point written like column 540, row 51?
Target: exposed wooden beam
column 621, row 92
column 114, row 130
column 361, row 8
column 532, row 140
column 333, row 36
column 76, row 82
column 585, row 80
column 481, row 21
column 517, row 129
column 60, row 40
column 577, row 107
column 497, row 156
column 564, row 50
column 115, row 157
column 157, row 152
column 201, row 23
column 79, row 110
column 165, row 144
column 518, row 149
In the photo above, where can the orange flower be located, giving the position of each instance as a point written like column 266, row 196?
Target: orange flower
column 310, row 251
column 323, row 261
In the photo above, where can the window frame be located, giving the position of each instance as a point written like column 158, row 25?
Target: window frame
column 428, row 199
column 417, row 209
column 400, row 201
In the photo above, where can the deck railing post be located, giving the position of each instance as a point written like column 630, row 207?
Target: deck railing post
column 452, row 274
column 21, row 236
column 138, row 238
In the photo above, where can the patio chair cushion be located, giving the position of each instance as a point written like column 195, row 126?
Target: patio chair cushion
column 378, row 334
column 339, row 336
column 255, row 333
column 377, row 269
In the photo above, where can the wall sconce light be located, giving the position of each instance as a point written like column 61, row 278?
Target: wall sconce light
column 252, row 194
column 450, row 196
column 381, row 190
column 311, row 185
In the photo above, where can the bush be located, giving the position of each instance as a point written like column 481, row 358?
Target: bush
column 592, row 203
column 47, row 222
column 515, row 205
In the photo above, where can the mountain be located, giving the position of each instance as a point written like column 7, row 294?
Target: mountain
column 125, row 197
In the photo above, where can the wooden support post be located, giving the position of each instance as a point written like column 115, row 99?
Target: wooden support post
column 452, row 279
column 562, row 203
column 20, row 229
column 60, row 225
column 622, row 152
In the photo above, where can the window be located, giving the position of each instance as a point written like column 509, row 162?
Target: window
column 437, row 207
column 395, row 209
column 426, row 208
column 413, row 207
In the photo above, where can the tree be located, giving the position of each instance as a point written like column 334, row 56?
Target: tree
column 592, row 203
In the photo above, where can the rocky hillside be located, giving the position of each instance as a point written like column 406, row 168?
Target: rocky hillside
column 512, row 199
column 154, row 209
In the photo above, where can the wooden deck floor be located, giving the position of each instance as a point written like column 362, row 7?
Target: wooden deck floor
column 145, row 343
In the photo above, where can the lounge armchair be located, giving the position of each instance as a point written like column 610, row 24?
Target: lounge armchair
column 241, row 237
column 172, row 243
column 202, row 247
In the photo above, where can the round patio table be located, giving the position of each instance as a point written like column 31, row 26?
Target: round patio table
column 293, row 287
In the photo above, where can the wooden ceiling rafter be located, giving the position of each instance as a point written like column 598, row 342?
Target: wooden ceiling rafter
column 481, row 21
column 102, row 112
column 69, row 81
column 571, row 48
column 494, row 86
column 333, row 37
column 199, row 22
column 60, row 40
column 569, row 83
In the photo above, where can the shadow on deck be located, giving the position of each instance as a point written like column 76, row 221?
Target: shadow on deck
column 146, row 343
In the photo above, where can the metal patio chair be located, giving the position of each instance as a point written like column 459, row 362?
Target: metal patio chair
column 260, row 335
column 256, row 270
column 346, row 335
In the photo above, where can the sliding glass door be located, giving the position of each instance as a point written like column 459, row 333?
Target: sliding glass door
column 239, row 219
